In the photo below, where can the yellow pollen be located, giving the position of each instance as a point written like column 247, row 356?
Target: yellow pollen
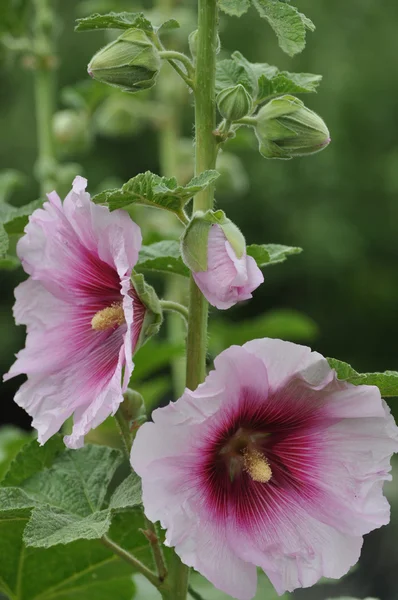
column 257, row 466
column 111, row 316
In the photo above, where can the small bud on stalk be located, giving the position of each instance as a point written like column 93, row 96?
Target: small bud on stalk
column 215, row 250
column 131, row 62
column 286, row 128
column 234, row 103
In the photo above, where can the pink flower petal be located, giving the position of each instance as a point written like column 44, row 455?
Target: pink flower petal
column 80, row 257
column 327, row 447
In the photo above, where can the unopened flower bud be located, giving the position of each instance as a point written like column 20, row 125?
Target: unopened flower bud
column 234, row 103
column 193, row 43
column 71, row 131
column 286, row 128
column 131, row 62
column 215, row 250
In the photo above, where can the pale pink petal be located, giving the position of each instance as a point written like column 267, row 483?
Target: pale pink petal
column 80, row 257
column 328, row 446
column 228, row 279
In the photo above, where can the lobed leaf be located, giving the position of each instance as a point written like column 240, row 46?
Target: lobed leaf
column 234, row 71
column 162, row 256
column 288, row 23
column 286, row 83
column 12, row 440
column 112, row 20
column 271, row 254
column 387, row 382
column 159, row 192
column 51, row 486
column 234, row 8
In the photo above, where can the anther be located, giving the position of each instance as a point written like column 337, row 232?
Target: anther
column 256, row 465
column 111, row 316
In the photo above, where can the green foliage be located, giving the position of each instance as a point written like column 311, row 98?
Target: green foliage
column 162, row 256
column 112, row 20
column 123, row 20
column 10, row 181
column 261, row 80
column 284, row 324
column 235, row 8
column 271, row 254
column 387, row 382
column 62, row 497
column 11, row 441
column 155, row 191
column 32, row 459
column 231, row 72
column 288, row 23
column 286, row 83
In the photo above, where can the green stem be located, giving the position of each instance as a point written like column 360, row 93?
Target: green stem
column 132, row 560
column 247, row 121
column 124, row 429
column 206, row 154
column 175, row 307
column 182, row 58
column 158, row 556
column 44, row 94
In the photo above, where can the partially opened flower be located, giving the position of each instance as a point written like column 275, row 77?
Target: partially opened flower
column 215, row 251
column 83, row 315
column 271, row 462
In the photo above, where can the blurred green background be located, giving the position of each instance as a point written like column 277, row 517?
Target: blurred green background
column 341, row 294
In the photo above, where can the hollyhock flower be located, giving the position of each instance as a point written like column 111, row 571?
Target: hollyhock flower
column 215, row 251
column 272, row 462
column 82, row 314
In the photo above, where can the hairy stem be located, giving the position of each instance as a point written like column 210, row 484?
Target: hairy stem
column 175, row 307
column 44, row 93
column 152, row 536
column 206, row 154
column 132, row 560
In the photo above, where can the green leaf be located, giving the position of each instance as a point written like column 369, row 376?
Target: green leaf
column 271, row 254
column 159, row 192
column 234, row 71
column 112, row 20
column 168, row 25
column 387, row 382
column 288, row 23
column 77, row 571
column 14, row 219
column 12, row 440
column 128, row 494
column 285, row 324
column 286, row 83
column 162, row 256
column 234, row 8
column 32, row 459
column 72, row 497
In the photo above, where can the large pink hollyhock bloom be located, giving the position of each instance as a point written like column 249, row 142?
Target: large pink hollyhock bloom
column 271, row 462
column 83, row 317
column 228, row 279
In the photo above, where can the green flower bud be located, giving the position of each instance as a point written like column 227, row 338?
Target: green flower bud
column 194, row 246
column 131, row 62
column 153, row 314
column 193, row 43
column 234, row 103
column 71, row 131
column 286, row 128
